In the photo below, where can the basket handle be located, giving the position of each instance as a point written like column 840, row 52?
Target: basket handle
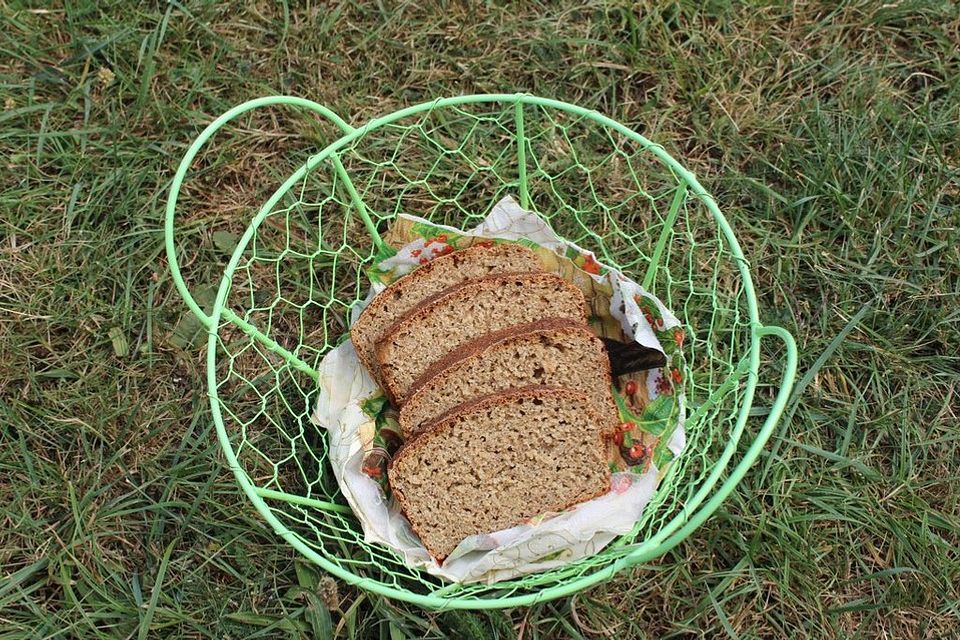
column 188, row 158
column 737, row 474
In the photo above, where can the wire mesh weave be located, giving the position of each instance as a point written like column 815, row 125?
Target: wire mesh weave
column 288, row 291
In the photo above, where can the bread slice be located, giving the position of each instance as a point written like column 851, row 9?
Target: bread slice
column 441, row 273
column 496, row 461
column 462, row 313
column 554, row 352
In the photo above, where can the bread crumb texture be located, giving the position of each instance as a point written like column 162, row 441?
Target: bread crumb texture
column 495, row 462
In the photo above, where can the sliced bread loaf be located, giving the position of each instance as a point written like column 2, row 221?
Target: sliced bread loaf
column 554, row 352
column 496, row 461
column 441, row 273
column 463, row 313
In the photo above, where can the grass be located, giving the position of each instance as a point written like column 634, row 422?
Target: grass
column 829, row 133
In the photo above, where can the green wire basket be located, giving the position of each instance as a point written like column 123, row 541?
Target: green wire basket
column 297, row 271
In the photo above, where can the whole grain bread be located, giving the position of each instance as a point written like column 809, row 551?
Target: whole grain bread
column 552, row 352
column 496, row 461
column 441, row 273
column 462, row 313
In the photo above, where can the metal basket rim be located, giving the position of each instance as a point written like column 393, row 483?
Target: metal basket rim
column 674, row 532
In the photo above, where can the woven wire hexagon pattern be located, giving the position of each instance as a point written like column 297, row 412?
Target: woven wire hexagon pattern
column 286, row 297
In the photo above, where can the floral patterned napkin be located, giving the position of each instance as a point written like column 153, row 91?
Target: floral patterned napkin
column 644, row 341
